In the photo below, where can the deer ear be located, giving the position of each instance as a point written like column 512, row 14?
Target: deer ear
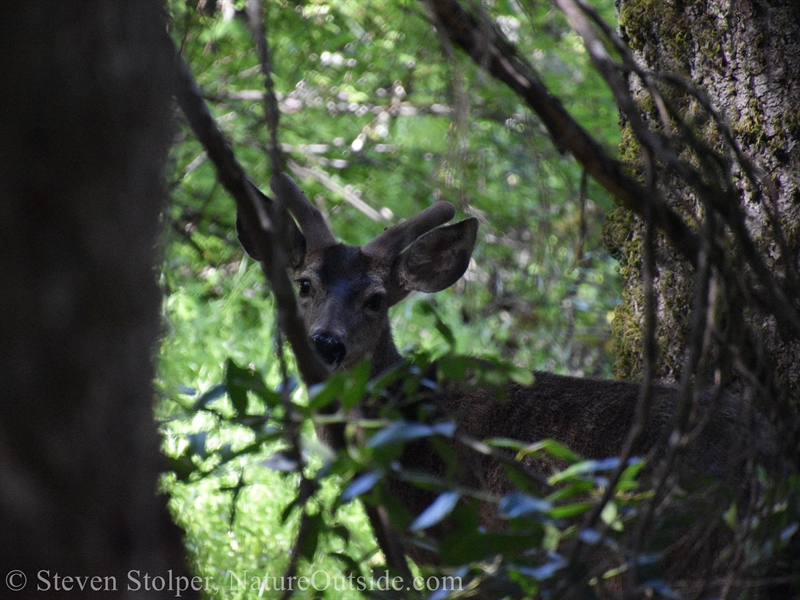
column 293, row 238
column 434, row 261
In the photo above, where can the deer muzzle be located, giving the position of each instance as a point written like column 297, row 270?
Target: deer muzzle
column 329, row 347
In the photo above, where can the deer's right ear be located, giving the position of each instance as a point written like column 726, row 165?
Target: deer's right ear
column 434, row 261
column 294, row 240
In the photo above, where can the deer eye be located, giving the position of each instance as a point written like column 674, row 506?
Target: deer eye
column 303, row 287
column 375, row 302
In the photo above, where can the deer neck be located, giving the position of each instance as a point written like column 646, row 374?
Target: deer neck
column 386, row 353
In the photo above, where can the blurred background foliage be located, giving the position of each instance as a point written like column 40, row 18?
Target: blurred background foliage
column 380, row 120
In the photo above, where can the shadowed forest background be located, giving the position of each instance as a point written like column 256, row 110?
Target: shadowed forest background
column 648, row 232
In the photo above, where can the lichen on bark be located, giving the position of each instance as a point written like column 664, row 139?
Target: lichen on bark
column 745, row 56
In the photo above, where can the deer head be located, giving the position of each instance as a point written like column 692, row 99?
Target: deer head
column 345, row 292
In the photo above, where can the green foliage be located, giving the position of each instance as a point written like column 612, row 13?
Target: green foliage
column 218, row 470
column 371, row 76
column 374, row 107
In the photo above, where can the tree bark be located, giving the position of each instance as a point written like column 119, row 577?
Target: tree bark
column 84, row 129
column 745, row 55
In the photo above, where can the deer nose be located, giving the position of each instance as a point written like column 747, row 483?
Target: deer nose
column 329, row 347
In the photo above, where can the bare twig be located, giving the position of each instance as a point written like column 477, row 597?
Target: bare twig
column 329, row 183
column 291, row 426
column 271, row 111
column 644, row 402
column 747, row 273
column 503, row 458
column 488, row 48
column 253, row 206
column 768, row 291
column 392, row 549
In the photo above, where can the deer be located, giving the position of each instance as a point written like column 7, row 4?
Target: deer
column 345, row 293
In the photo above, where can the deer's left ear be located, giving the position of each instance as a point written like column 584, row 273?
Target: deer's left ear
column 434, row 261
column 293, row 239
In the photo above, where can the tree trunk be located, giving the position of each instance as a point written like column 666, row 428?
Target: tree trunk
column 84, row 129
column 745, row 55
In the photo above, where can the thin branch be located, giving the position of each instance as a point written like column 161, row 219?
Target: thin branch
column 271, row 111
column 769, row 292
column 252, row 206
column 503, row 458
column 490, row 50
column 644, row 401
column 328, row 182
column 392, row 549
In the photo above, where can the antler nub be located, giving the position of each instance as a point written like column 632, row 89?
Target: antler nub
column 395, row 239
column 314, row 228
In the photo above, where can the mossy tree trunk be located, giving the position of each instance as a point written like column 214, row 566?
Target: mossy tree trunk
column 745, row 56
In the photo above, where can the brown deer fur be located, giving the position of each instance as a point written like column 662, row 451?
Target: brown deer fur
column 345, row 293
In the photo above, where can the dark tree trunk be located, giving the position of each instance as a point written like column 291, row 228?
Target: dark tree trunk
column 745, row 54
column 84, row 128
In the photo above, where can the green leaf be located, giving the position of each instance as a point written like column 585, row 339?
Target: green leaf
column 360, row 485
column 731, row 516
column 238, row 397
column 570, row 510
column 350, row 563
column 449, row 455
column 467, row 546
column 238, row 381
column 627, row 480
column 280, row 462
column 523, row 449
column 521, row 481
column 400, row 431
column 420, row 478
column 522, row 376
column 209, row 396
column 610, row 516
column 545, row 571
column 517, row 504
column 342, row 532
column 183, row 467
column 553, row 448
column 348, row 387
column 454, row 368
column 398, row 511
column 583, row 468
column 427, row 308
column 355, row 384
column 322, row 394
column 510, row 443
column 286, row 512
column 573, row 489
column 438, row 510
column 308, row 545
column 252, row 381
